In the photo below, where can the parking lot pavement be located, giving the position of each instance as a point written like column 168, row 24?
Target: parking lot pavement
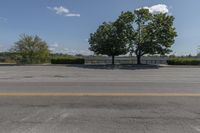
column 79, row 74
column 163, row 100
column 99, row 114
column 76, row 79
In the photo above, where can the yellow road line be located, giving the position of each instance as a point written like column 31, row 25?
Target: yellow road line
column 104, row 94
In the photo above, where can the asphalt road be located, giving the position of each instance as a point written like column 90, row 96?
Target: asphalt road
column 96, row 100
column 99, row 114
column 78, row 79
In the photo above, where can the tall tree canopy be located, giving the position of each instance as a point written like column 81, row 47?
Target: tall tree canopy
column 153, row 33
column 112, row 38
column 139, row 32
column 31, row 49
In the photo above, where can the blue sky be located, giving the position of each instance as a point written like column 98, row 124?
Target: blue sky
column 66, row 24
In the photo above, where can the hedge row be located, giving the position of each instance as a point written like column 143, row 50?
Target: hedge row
column 67, row 61
column 183, row 61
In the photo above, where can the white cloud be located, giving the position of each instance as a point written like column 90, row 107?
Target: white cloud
column 159, row 8
column 73, row 15
column 63, row 11
column 52, row 49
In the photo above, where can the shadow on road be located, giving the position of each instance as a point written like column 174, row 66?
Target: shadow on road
column 99, row 66
column 111, row 67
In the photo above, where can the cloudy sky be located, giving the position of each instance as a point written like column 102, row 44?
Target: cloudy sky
column 66, row 24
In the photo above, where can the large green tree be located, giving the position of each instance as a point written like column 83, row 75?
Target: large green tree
column 152, row 34
column 31, row 49
column 145, row 32
column 111, row 38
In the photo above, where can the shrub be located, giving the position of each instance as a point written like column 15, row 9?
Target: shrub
column 183, row 61
column 67, row 61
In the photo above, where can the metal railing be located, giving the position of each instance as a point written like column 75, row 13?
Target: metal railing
column 120, row 61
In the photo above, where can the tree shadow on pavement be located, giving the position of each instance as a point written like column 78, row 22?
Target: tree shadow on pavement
column 122, row 67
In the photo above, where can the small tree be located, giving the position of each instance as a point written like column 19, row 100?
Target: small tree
column 31, row 49
column 112, row 38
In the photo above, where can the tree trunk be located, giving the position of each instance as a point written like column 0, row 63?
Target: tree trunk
column 138, row 59
column 113, row 60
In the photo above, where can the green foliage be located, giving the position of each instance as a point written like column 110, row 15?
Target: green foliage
column 67, row 61
column 160, row 35
column 30, row 50
column 154, row 33
column 183, row 61
column 198, row 55
column 146, row 34
column 111, row 38
column 106, row 41
column 7, row 57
